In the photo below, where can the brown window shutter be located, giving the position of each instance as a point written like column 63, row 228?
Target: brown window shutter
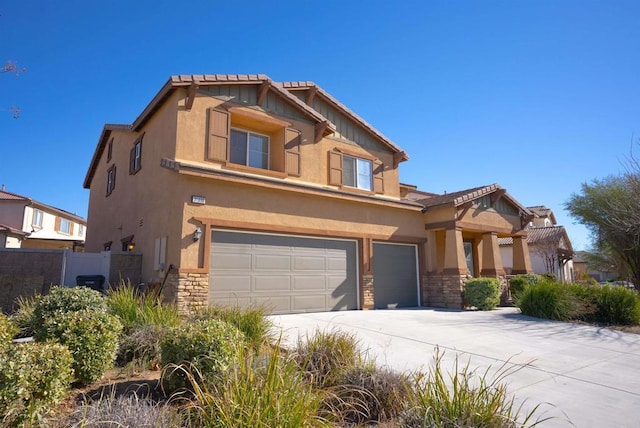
column 57, row 224
column 132, row 156
column 335, row 168
column 219, row 129
column 113, row 185
column 70, row 228
column 292, row 140
column 378, row 176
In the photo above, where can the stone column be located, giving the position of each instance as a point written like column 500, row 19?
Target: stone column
column 491, row 258
column 521, row 259
column 367, row 292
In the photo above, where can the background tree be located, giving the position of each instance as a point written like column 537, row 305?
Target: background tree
column 12, row 68
column 547, row 250
column 610, row 209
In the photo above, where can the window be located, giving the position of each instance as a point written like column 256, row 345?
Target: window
column 250, row 149
column 37, row 218
column 111, row 179
column 135, row 157
column 64, row 226
column 81, row 230
column 109, row 150
column 356, row 172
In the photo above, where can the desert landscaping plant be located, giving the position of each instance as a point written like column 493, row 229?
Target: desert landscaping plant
column 205, row 347
column 91, row 336
column 61, row 300
column 482, row 293
column 519, row 283
column 23, row 317
column 7, row 330
column 618, row 305
column 465, row 398
column 34, row 377
column 141, row 347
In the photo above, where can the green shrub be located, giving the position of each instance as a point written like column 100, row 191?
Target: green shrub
column 7, row 330
column 518, row 283
column 23, row 317
column 252, row 321
column 91, row 336
column 141, row 347
column 325, row 356
column 258, row 391
column 367, row 393
column 464, row 398
column 618, row 305
column 34, row 377
column 549, row 300
column 483, row 293
column 137, row 309
column 206, row 347
column 64, row 299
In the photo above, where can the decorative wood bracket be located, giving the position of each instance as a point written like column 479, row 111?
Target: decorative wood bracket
column 319, row 131
column 462, row 209
column 311, row 95
column 262, row 92
column 191, row 95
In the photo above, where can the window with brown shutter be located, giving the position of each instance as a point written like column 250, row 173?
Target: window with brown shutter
column 335, row 168
column 292, row 140
column 352, row 171
column 218, row 138
column 378, row 176
column 135, row 156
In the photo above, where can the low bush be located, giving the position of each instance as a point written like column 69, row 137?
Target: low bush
column 618, row 305
column 483, row 293
column 206, row 348
column 122, row 411
column 519, row 283
column 464, row 398
column 325, row 356
column 136, row 309
column 34, row 377
column 258, row 391
column 91, row 336
column 251, row 321
column 61, row 300
column 549, row 300
column 367, row 394
column 23, row 317
column 7, row 330
column 141, row 347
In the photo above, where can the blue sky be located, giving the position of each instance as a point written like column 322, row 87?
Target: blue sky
column 538, row 96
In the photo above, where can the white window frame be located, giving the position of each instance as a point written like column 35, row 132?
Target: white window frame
column 35, row 222
column 360, row 179
column 65, row 230
column 247, row 141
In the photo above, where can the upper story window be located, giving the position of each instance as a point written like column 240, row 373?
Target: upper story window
column 64, row 226
column 250, row 149
column 111, row 179
column 37, row 218
column 357, row 172
column 349, row 170
column 135, row 157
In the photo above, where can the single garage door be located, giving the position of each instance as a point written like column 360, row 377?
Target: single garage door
column 286, row 273
column 395, row 275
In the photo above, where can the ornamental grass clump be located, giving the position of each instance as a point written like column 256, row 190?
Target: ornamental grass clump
column 259, row 390
column 205, row 347
column 34, row 377
column 23, row 317
column 618, row 305
column 519, row 283
column 550, row 300
column 464, row 398
column 325, row 356
column 92, row 337
column 482, row 293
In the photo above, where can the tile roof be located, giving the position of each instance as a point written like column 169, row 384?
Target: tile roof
column 536, row 235
column 460, row 197
column 9, row 196
column 5, row 228
column 542, row 211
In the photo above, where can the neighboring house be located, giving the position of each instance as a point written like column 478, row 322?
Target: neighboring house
column 549, row 245
column 583, row 269
column 25, row 223
column 239, row 189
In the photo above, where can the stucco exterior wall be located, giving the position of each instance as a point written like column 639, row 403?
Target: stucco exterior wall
column 12, row 213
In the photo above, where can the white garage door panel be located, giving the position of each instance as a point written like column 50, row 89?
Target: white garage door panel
column 286, row 273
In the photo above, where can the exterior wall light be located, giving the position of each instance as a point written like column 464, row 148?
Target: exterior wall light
column 197, row 234
column 131, row 246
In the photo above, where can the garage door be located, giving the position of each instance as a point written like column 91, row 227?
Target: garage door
column 395, row 276
column 286, row 273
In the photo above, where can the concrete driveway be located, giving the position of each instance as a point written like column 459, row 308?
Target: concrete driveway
column 589, row 376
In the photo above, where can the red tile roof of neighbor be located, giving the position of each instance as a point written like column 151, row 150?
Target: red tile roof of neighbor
column 543, row 211
column 537, row 235
column 9, row 196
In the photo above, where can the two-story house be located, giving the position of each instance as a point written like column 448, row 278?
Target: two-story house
column 26, row 223
column 239, row 189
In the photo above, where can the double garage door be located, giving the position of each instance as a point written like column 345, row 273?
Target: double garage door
column 292, row 274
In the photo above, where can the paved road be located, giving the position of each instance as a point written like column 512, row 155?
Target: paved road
column 589, row 376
